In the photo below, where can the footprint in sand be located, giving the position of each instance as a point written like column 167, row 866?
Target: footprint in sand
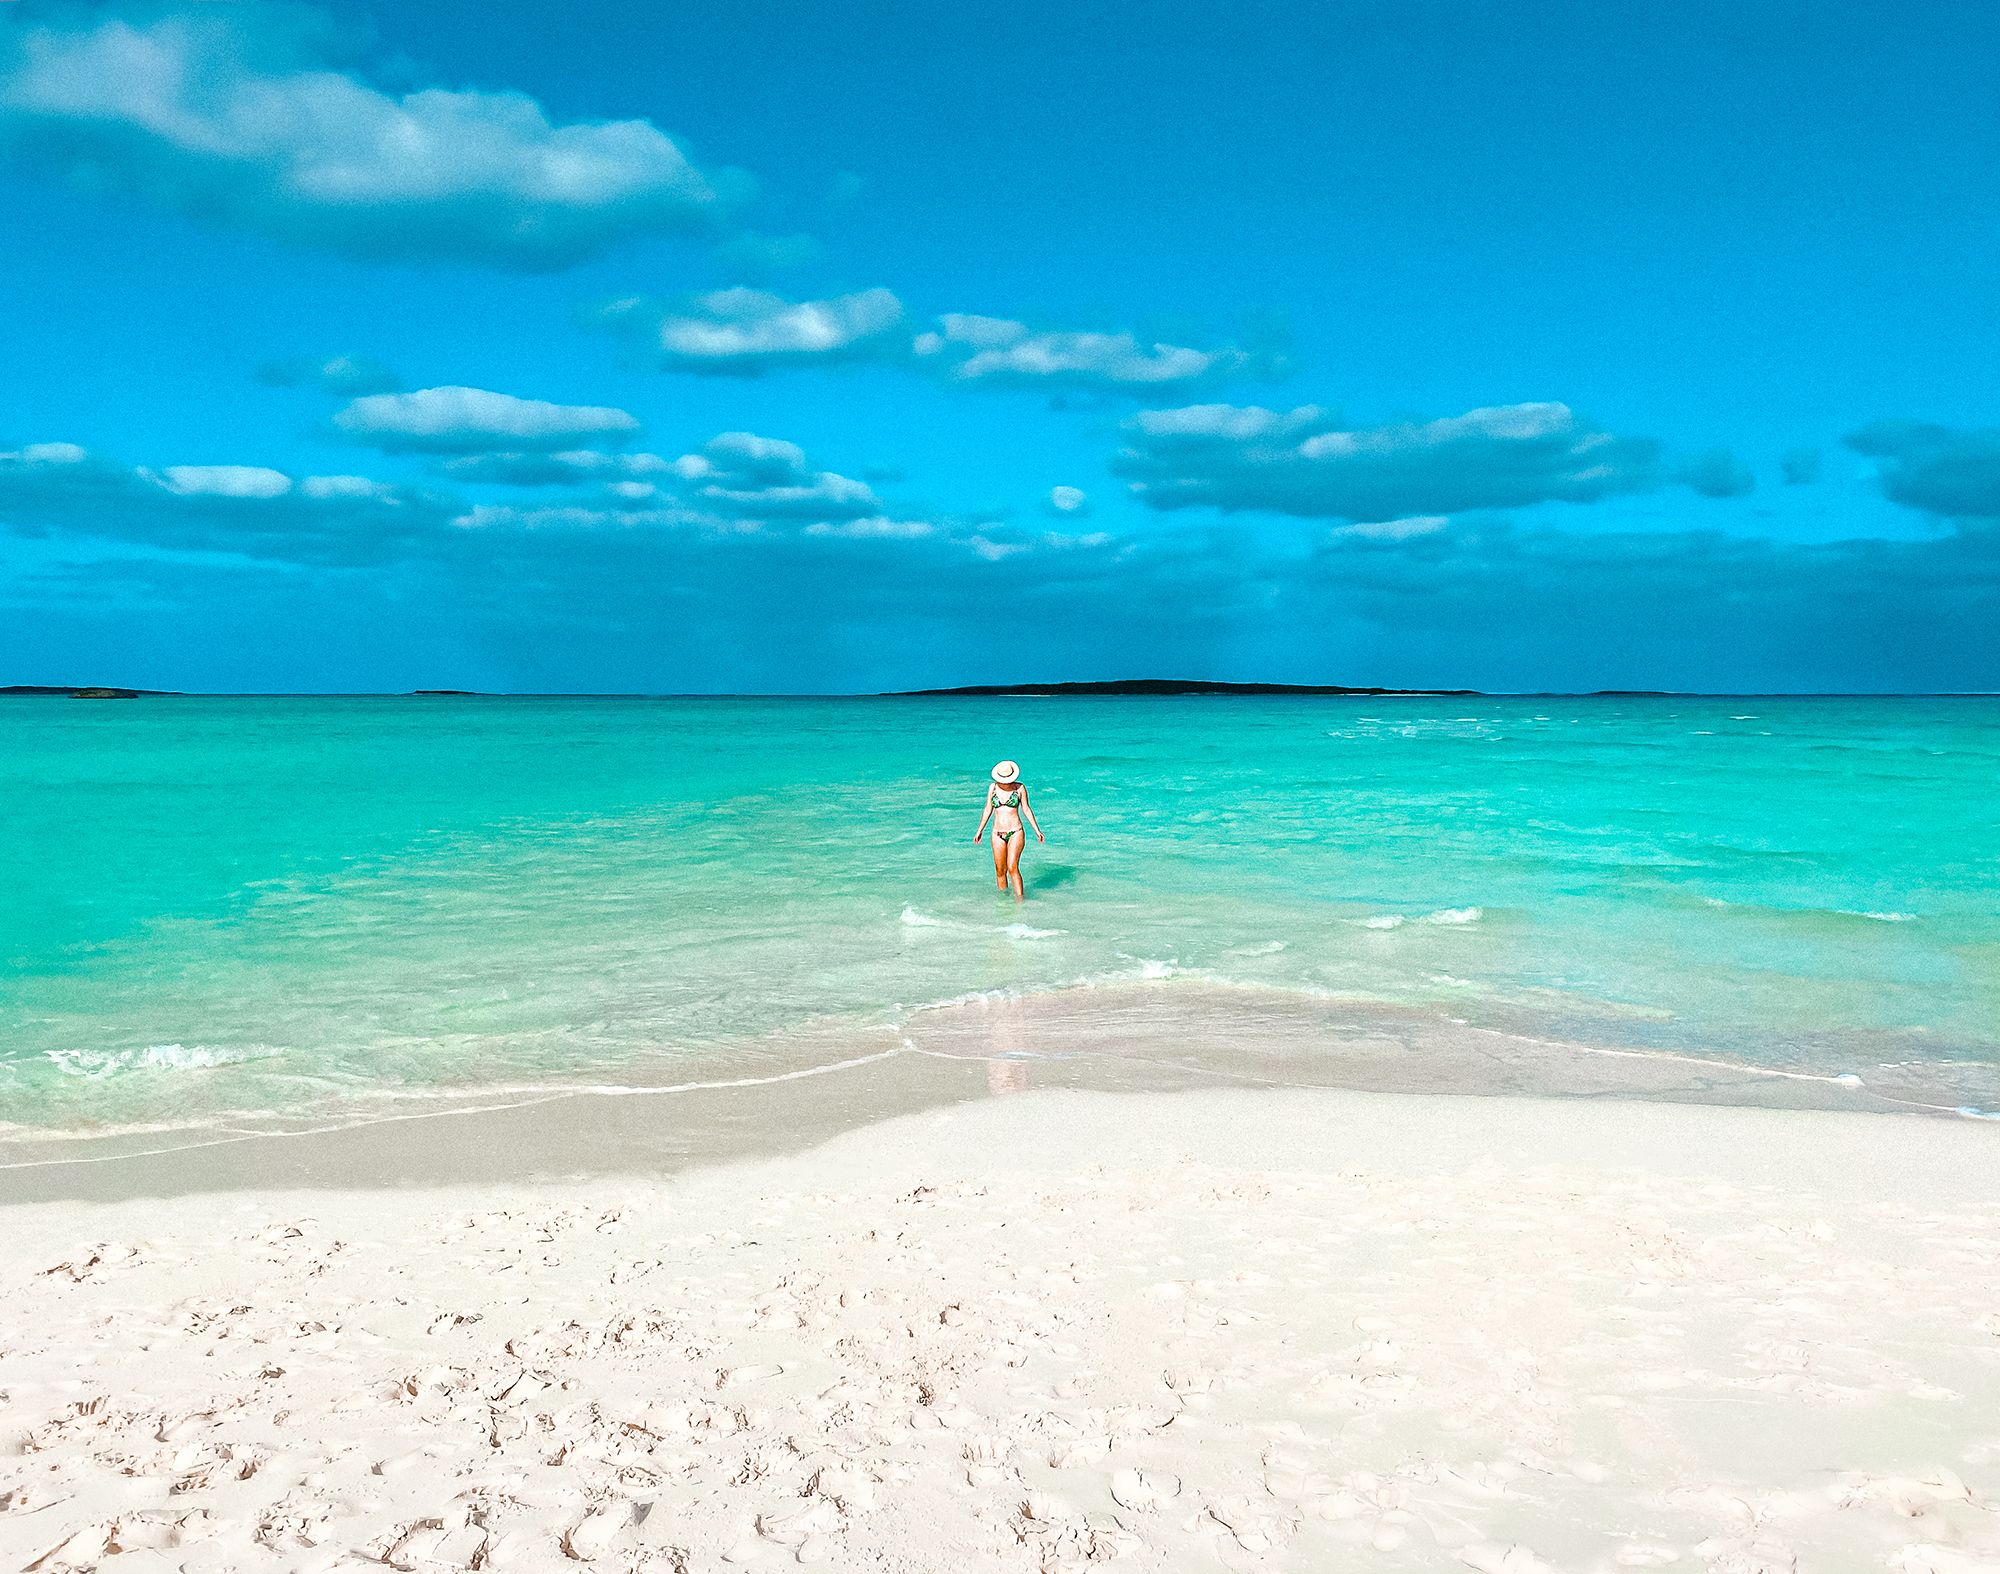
column 736, row 1376
column 1290, row 1478
column 1144, row 1491
column 593, row 1535
column 1243, row 1521
column 1080, row 1453
column 984, row 1456
column 795, row 1527
column 846, row 1488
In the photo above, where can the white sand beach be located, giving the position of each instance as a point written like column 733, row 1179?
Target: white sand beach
column 1234, row 1330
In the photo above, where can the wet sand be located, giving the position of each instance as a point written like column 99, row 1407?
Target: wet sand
column 777, row 1097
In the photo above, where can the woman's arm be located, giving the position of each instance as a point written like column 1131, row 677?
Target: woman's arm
column 1028, row 810
column 984, row 817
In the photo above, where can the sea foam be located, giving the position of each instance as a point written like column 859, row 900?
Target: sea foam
column 1444, row 915
column 154, row 1057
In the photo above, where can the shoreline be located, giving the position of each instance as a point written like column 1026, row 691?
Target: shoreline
column 798, row 1089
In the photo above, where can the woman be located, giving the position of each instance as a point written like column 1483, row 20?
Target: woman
column 1006, row 802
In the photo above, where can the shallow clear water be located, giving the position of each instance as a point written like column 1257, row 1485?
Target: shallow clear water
column 256, row 904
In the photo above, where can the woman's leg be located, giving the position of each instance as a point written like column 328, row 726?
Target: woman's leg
column 1018, row 841
column 999, row 862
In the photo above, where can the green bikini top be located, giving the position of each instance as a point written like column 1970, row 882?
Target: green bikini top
column 1007, row 800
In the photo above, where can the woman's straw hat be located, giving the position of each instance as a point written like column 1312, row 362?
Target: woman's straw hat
column 1006, row 771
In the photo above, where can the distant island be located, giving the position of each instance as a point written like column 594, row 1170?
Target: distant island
column 83, row 692
column 1113, row 687
column 1163, row 686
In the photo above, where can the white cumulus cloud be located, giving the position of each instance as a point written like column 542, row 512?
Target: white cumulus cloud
column 225, row 481
column 48, row 454
column 1001, row 351
column 744, row 476
column 238, row 114
column 476, row 420
column 744, row 332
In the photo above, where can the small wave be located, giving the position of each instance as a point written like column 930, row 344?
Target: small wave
column 1116, row 978
column 1024, row 932
column 1266, row 948
column 917, row 920
column 101, row 1063
column 1808, row 914
column 1448, row 916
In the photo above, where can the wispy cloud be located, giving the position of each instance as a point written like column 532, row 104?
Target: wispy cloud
column 1306, row 462
column 747, row 332
column 241, row 115
column 573, row 467
column 476, row 420
column 1003, row 352
column 346, row 375
column 251, row 510
column 737, row 483
column 1397, row 529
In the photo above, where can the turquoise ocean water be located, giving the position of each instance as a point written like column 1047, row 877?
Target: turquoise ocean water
column 212, row 905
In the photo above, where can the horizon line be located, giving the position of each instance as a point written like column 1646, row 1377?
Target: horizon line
column 1253, row 689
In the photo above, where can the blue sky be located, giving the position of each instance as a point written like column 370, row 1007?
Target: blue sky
column 776, row 347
